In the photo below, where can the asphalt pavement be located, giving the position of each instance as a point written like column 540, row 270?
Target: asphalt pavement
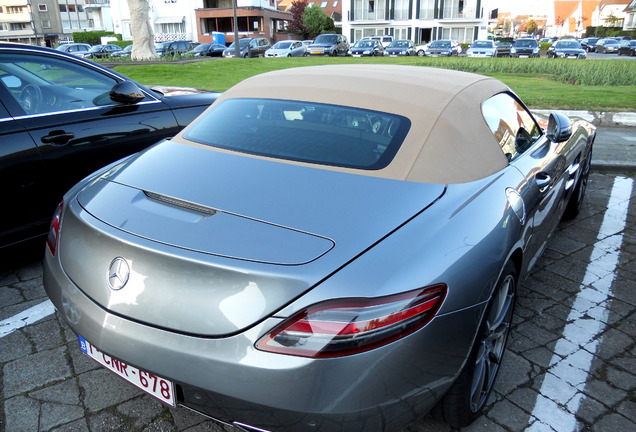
column 47, row 384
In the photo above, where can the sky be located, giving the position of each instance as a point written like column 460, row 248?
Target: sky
column 521, row 7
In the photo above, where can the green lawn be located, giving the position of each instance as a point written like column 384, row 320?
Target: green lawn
column 541, row 83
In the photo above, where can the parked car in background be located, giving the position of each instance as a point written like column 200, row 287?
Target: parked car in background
column 524, row 48
column 207, row 50
column 78, row 49
column 102, row 51
column 287, row 48
column 503, row 47
column 248, row 47
column 366, row 48
column 401, row 47
column 420, row 50
column 607, row 46
column 199, row 266
column 627, row 47
column 444, row 47
column 482, row 48
column 385, row 40
column 566, row 48
column 589, row 43
column 125, row 52
column 64, row 117
column 329, row 44
column 173, row 48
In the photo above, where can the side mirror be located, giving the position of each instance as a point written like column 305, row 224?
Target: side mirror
column 559, row 128
column 126, row 92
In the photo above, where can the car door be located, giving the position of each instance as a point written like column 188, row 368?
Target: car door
column 541, row 162
column 21, row 174
column 62, row 105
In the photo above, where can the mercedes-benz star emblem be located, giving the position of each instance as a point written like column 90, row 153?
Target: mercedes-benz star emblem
column 118, row 273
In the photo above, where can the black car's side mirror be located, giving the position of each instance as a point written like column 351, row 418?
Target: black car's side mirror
column 559, row 128
column 126, row 92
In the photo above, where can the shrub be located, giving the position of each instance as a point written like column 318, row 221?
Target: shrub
column 93, row 37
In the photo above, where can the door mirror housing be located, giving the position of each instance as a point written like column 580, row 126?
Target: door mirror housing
column 559, row 128
column 126, row 92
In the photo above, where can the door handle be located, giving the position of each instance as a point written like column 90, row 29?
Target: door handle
column 58, row 137
column 544, row 181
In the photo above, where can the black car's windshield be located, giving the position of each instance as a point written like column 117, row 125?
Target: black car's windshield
column 482, row 44
column 567, row 44
column 399, row 44
column 440, row 44
column 525, row 43
column 303, row 131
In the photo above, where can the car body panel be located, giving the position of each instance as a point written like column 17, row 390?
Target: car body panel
column 607, row 45
column 627, row 47
column 248, row 47
column 196, row 316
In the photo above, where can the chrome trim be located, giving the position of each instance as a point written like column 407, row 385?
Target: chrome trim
column 79, row 110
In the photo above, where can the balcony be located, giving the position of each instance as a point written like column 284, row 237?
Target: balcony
column 96, row 4
column 24, row 17
column 468, row 13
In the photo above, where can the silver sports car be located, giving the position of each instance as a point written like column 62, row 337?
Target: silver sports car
column 322, row 256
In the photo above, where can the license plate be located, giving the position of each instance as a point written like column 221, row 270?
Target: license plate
column 316, row 52
column 154, row 385
column 524, row 56
column 356, row 55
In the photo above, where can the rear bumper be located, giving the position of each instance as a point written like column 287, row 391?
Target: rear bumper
column 228, row 379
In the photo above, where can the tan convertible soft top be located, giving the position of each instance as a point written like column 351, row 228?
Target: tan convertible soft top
column 449, row 140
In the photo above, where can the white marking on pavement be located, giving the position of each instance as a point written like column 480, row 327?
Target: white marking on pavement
column 562, row 389
column 24, row 318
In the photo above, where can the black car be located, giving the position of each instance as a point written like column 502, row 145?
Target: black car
column 173, row 48
column 524, row 47
column 566, row 48
column 589, row 43
column 503, row 48
column 441, row 48
column 400, row 48
column 329, row 44
column 64, row 117
column 366, row 48
column 207, row 50
column 627, row 47
column 102, row 51
column 606, row 46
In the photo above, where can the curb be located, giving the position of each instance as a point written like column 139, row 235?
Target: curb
column 597, row 118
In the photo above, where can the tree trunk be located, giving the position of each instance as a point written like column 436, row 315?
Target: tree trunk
column 142, row 34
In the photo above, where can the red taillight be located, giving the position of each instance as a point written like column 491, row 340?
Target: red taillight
column 54, row 229
column 347, row 326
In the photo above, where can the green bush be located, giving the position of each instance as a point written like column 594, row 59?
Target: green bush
column 582, row 72
column 93, row 37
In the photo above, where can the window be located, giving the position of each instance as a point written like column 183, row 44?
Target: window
column 324, row 4
column 371, row 6
column 335, row 3
column 66, row 24
column 63, row 8
column 76, row 87
column 17, row 26
column 303, row 131
column 42, row 8
column 15, row 9
column 513, row 126
column 71, row 8
column 46, row 24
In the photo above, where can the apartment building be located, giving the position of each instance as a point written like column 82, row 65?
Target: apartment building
column 417, row 20
column 32, row 22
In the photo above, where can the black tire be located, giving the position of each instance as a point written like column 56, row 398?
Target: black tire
column 420, row 53
column 575, row 203
column 466, row 399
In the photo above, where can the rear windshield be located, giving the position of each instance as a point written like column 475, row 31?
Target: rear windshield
column 303, row 131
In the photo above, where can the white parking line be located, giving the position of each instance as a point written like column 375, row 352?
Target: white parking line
column 562, row 389
column 26, row 317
